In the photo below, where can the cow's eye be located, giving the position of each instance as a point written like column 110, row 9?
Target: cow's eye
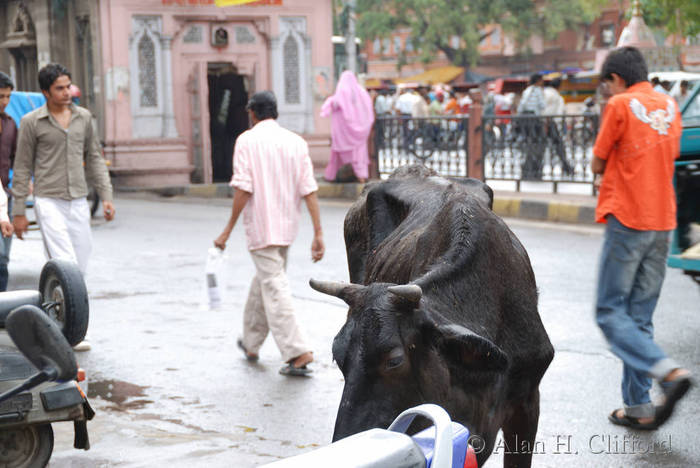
column 395, row 359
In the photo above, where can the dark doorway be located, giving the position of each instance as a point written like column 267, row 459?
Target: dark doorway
column 227, row 116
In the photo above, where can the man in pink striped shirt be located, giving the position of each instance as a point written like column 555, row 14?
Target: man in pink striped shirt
column 272, row 173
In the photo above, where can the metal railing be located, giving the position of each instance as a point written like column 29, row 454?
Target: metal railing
column 439, row 143
column 554, row 148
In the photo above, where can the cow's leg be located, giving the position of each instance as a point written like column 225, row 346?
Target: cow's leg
column 519, row 432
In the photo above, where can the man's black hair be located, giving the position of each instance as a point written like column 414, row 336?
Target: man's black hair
column 534, row 78
column 6, row 81
column 628, row 63
column 50, row 73
column 555, row 83
column 264, row 105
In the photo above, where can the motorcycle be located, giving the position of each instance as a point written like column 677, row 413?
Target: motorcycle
column 38, row 330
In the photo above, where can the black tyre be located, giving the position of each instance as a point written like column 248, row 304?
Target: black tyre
column 26, row 447
column 64, row 298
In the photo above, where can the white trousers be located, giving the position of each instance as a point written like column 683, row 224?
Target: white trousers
column 65, row 228
column 269, row 307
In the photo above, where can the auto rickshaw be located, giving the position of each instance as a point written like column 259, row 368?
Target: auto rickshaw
column 685, row 242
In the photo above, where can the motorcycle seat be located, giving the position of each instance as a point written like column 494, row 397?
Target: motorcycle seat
column 10, row 300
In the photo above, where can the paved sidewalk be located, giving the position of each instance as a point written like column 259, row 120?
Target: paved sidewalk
column 541, row 206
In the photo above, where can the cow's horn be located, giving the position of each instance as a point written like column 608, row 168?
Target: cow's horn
column 332, row 288
column 410, row 292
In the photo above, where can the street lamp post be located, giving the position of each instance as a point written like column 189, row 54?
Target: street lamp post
column 350, row 46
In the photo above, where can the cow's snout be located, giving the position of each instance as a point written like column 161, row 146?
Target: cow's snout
column 361, row 414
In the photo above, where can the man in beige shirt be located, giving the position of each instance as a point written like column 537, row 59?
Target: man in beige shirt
column 58, row 146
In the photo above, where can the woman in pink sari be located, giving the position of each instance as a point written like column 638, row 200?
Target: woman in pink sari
column 353, row 116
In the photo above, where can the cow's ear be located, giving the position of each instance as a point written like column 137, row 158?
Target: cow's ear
column 471, row 350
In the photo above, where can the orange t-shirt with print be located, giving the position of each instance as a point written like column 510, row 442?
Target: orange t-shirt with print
column 639, row 139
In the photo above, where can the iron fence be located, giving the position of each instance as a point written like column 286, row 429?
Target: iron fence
column 556, row 148
column 439, row 143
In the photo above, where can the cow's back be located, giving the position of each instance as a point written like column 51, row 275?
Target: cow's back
column 384, row 206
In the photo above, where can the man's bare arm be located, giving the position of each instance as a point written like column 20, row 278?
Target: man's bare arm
column 598, row 165
column 317, row 246
column 240, row 198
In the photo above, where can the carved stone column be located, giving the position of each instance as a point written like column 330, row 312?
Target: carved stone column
column 169, row 128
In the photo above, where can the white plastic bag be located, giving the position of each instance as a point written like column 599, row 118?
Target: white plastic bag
column 213, row 274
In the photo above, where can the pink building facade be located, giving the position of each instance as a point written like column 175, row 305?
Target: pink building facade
column 178, row 73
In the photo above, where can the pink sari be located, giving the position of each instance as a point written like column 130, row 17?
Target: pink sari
column 351, row 123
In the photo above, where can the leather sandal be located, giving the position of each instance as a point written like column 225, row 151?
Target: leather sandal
column 293, row 371
column 673, row 391
column 629, row 421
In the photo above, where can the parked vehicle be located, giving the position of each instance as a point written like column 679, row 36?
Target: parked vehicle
column 675, row 78
column 687, row 180
column 38, row 370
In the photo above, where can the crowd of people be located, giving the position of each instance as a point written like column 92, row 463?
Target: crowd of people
column 537, row 99
column 420, row 101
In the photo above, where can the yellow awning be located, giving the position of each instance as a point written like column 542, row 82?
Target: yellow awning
column 552, row 75
column 372, row 83
column 434, row 76
column 222, row 3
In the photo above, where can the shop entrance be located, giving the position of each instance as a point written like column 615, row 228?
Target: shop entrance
column 228, row 118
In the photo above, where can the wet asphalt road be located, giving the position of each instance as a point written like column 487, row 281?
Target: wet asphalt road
column 171, row 389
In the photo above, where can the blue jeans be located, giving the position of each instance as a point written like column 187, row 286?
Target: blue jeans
column 5, row 245
column 632, row 269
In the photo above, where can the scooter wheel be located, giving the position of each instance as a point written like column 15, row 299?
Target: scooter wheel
column 64, row 298
column 26, row 446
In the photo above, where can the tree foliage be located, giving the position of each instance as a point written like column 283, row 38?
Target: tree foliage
column 673, row 16
column 434, row 23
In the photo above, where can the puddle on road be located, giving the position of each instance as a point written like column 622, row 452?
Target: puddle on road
column 119, row 392
column 121, row 295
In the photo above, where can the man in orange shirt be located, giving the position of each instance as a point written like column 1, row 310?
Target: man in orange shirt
column 635, row 150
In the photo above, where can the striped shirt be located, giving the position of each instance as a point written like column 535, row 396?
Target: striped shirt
column 532, row 100
column 272, row 164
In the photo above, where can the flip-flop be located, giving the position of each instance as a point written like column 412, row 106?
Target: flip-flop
column 249, row 356
column 673, row 391
column 632, row 423
column 290, row 370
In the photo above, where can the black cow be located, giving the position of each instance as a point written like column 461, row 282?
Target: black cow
column 443, row 309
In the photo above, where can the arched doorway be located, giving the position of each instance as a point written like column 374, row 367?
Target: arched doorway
column 228, row 95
